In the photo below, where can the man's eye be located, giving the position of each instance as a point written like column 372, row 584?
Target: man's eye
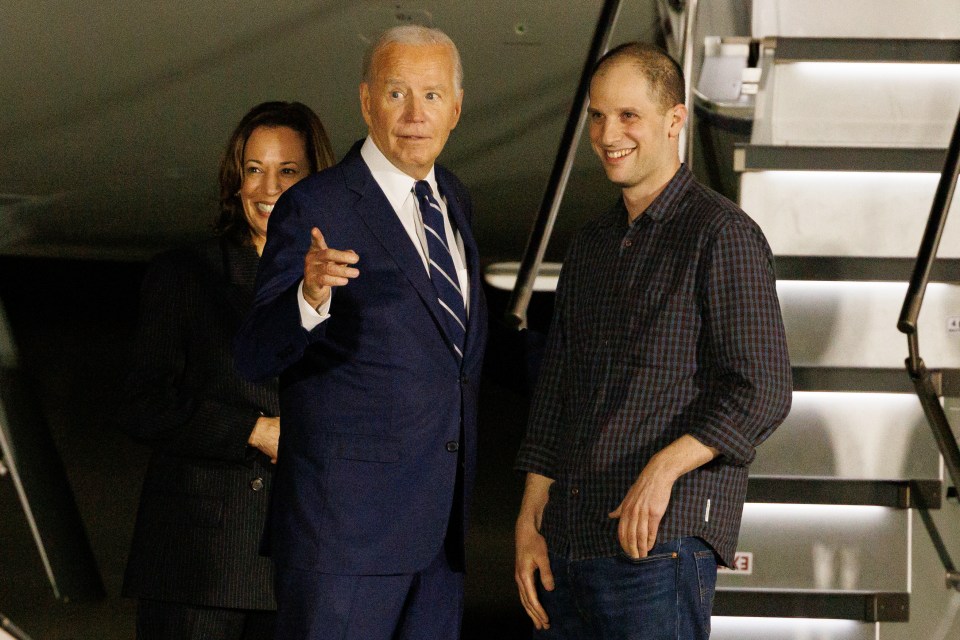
column 396, row 95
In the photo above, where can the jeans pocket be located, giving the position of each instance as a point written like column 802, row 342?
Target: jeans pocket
column 669, row 555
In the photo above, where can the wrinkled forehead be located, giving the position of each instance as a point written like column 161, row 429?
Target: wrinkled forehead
column 402, row 62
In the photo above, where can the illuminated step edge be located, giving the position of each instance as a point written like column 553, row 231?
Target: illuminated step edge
column 762, row 157
column 871, row 380
column 896, row 494
column 865, row 50
column 503, row 276
column 860, row 269
column 863, row 606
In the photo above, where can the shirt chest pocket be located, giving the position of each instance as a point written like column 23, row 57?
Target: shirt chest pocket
column 664, row 327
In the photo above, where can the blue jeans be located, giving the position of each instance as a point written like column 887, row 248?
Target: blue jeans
column 666, row 596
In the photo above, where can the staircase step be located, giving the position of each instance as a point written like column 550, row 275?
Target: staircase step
column 857, row 92
column 870, row 380
column 851, row 435
column 854, row 324
column 855, row 379
column 856, row 18
column 863, row 606
column 768, row 157
column 828, row 213
column 896, row 494
column 503, row 276
column 864, row 50
column 857, row 268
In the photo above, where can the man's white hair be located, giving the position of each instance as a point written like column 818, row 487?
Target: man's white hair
column 417, row 35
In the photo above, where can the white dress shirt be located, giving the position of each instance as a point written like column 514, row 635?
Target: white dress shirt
column 398, row 187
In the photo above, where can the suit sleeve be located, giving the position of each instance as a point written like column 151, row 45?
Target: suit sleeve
column 272, row 338
column 161, row 407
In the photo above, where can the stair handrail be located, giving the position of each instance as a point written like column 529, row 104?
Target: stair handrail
column 689, row 32
column 926, row 382
column 536, row 248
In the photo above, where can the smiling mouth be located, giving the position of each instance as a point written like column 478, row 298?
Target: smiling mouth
column 619, row 153
column 265, row 208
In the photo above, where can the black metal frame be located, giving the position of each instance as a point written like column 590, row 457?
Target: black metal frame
column 923, row 378
column 516, row 313
column 33, row 463
column 11, row 629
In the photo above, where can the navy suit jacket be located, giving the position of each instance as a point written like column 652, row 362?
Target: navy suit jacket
column 378, row 410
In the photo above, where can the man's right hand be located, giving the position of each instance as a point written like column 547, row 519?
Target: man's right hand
column 324, row 268
column 532, row 549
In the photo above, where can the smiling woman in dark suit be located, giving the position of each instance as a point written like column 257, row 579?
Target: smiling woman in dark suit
column 194, row 562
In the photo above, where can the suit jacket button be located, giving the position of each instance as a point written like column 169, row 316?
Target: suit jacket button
column 256, row 484
column 452, row 446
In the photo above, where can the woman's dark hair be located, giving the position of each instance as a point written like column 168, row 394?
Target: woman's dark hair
column 297, row 116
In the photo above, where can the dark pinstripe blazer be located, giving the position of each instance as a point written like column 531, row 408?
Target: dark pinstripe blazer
column 205, row 493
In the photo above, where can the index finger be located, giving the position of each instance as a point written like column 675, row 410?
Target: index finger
column 317, row 240
column 339, row 257
column 629, row 532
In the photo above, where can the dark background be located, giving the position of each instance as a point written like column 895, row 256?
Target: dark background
column 73, row 322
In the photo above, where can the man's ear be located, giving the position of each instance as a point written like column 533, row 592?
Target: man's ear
column 365, row 102
column 678, row 117
column 458, row 108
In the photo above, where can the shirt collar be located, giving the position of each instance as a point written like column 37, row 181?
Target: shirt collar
column 661, row 209
column 665, row 205
column 394, row 183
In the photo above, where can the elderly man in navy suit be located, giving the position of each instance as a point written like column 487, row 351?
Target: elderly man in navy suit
column 369, row 307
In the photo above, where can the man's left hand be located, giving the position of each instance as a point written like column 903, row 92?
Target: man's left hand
column 643, row 507
column 641, row 510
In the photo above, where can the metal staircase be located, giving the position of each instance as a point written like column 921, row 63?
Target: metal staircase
column 848, row 140
column 844, row 111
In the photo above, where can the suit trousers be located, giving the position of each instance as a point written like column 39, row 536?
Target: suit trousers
column 427, row 605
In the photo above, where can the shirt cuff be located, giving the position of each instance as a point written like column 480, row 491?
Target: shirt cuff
column 310, row 318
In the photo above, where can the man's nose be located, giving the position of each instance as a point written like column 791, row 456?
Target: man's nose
column 609, row 131
column 414, row 109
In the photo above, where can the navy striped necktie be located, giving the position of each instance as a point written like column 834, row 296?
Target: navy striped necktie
column 442, row 272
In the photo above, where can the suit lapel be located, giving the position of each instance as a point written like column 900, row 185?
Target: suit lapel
column 373, row 208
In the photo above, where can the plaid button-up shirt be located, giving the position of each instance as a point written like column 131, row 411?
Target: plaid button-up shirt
column 663, row 327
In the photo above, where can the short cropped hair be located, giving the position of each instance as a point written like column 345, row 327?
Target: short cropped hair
column 662, row 73
column 231, row 221
column 414, row 34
